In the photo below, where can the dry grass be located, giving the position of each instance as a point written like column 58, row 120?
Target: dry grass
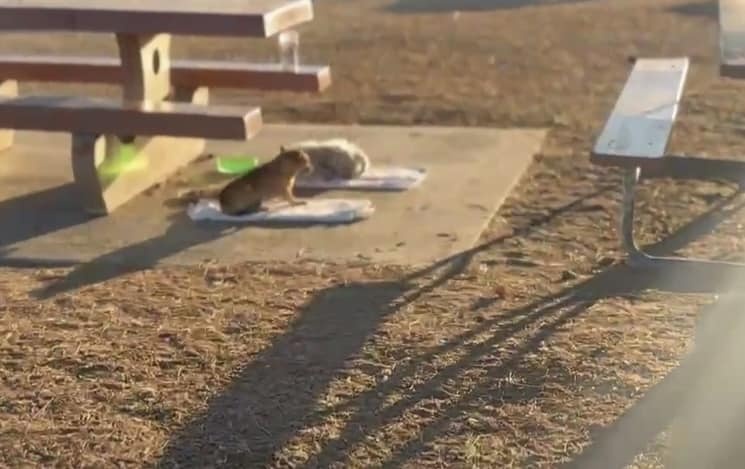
column 512, row 355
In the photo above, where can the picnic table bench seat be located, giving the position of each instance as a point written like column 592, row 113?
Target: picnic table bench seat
column 184, row 73
column 163, row 114
column 252, row 18
column 144, row 118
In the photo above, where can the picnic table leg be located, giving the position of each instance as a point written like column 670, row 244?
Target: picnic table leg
column 112, row 169
column 8, row 88
column 635, row 255
column 146, row 62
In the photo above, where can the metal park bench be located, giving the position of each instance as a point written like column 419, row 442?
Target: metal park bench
column 635, row 136
column 164, row 111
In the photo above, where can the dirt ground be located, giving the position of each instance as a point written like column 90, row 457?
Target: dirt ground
column 515, row 354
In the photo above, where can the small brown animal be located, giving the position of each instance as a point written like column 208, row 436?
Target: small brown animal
column 275, row 178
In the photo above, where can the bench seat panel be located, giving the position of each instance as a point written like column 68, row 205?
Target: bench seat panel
column 245, row 18
column 639, row 127
column 189, row 73
column 84, row 115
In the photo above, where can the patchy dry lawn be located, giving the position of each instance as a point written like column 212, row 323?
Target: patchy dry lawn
column 512, row 355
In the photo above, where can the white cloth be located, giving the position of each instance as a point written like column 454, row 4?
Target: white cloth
column 387, row 178
column 326, row 211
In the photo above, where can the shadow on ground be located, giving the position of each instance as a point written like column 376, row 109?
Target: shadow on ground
column 703, row 393
column 276, row 396
column 444, row 6
column 708, row 9
column 43, row 212
column 181, row 234
column 29, row 216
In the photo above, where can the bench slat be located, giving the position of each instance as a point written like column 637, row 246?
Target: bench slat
column 219, row 74
column 639, row 127
column 732, row 38
column 83, row 115
column 257, row 18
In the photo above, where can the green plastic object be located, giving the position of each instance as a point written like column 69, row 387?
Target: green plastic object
column 233, row 164
column 126, row 159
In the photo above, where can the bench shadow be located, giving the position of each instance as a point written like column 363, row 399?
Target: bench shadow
column 703, row 386
column 274, row 397
column 29, row 216
column 445, row 6
column 707, row 9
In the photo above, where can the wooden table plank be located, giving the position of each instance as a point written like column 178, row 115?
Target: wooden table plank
column 96, row 116
column 249, row 18
column 190, row 73
column 732, row 38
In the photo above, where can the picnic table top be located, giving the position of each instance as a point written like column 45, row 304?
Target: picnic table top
column 731, row 34
column 257, row 18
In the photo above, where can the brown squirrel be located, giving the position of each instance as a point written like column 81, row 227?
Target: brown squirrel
column 245, row 194
column 275, row 178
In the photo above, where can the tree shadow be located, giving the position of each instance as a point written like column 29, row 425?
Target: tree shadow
column 548, row 315
column 620, row 443
column 257, row 413
column 273, row 398
column 445, row 6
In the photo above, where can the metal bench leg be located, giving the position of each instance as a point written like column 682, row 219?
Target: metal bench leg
column 637, row 257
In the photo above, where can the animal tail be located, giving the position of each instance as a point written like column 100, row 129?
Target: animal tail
column 194, row 195
column 363, row 164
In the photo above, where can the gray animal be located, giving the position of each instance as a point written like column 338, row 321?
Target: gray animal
column 336, row 158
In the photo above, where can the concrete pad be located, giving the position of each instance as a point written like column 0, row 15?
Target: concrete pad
column 471, row 171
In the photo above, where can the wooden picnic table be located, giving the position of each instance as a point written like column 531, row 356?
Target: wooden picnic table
column 246, row 18
column 164, row 109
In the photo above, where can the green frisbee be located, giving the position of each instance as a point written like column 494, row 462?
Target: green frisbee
column 235, row 164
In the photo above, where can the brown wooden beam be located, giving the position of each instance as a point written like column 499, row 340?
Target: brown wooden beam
column 189, row 73
column 239, row 18
column 96, row 116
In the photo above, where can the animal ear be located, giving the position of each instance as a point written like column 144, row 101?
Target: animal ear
column 282, row 149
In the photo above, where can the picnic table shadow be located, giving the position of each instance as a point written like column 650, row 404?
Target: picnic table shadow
column 182, row 233
column 57, row 208
column 275, row 395
column 445, row 6
column 31, row 215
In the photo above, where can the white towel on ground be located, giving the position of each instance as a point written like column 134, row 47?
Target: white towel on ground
column 327, row 211
column 385, row 178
